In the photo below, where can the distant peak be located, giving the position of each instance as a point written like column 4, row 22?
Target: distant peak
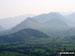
column 54, row 13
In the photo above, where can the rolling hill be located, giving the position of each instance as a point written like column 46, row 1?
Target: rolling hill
column 23, row 35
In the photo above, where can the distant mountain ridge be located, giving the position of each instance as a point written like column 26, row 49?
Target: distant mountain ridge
column 52, row 22
column 11, row 22
column 41, row 26
column 70, row 20
column 47, row 17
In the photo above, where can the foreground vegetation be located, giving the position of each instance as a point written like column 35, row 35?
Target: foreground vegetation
column 39, row 47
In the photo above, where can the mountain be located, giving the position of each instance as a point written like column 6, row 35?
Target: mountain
column 47, row 23
column 23, row 35
column 52, row 22
column 43, row 18
column 71, row 19
column 1, row 29
column 28, row 23
column 11, row 22
column 37, row 30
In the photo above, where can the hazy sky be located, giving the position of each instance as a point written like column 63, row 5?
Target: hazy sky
column 18, row 7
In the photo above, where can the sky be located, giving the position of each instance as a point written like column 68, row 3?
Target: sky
column 9, row 8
